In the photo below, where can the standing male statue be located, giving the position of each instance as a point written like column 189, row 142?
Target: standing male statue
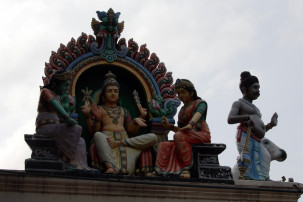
column 112, row 125
column 245, row 113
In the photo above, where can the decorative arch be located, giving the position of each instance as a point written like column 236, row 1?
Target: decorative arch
column 148, row 87
column 105, row 49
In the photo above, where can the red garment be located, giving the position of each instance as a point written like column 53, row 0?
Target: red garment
column 244, row 128
column 174, row 157
column 46, row 95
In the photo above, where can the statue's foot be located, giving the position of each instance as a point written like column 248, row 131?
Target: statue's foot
column 185, row 174
column 123, row 171
column 83, row 167
column 150, row 174
column 111, row 170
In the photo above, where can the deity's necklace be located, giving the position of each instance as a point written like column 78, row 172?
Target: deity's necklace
column 113, row 113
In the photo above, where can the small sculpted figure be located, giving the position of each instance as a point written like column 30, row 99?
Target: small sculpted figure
column 175, row 157
column 54, row 121
column 68, row 102
column 112, row 125
column 156, row 106
column 244, row 112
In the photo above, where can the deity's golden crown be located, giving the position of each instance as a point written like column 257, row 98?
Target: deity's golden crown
column 110, row 80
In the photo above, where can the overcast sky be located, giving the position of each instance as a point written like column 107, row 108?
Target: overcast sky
column 208, row 42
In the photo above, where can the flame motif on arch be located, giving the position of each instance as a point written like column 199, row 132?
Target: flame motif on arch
column 74, row 49
column 65, row 55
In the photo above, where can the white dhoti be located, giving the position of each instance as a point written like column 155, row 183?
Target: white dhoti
column 122, row 158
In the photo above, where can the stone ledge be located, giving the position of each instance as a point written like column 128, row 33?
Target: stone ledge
column 18, row 185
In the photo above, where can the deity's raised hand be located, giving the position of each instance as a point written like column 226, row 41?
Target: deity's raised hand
column 96, row 111
column 140, row 122
column 274, row 119
column 143, row 111
column 86, row 108
column 165, row 122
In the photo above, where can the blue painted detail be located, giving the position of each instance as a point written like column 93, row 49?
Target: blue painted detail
column 79, row 59
column 122, row 53
column 150, row 76
column 74, row 115
column 101, row 15
column 170, row 107
column 158, row 120
column 95, row 50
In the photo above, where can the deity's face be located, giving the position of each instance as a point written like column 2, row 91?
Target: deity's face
column 111, row 95
column 184, row 95
column 63, row 87
column 253, row 91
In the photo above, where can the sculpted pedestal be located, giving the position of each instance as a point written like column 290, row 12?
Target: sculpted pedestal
column 44, row 156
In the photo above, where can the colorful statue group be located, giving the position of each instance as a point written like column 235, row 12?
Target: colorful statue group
column 115, row 146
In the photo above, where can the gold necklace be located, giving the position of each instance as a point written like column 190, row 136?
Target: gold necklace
column 113, row 113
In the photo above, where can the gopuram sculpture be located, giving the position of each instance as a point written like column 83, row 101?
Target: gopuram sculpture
column 256, row 152
column 107, row 81
column 176, row 157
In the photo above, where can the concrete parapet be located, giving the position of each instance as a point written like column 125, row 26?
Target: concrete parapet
column 21, row 186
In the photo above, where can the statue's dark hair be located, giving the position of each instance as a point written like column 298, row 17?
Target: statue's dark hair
column 187, row 85
column 195, row 96
column 246, row 80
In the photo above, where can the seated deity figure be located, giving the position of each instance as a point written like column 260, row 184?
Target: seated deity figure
column 175, row 157
column 114, row 131
column 244, row 112
column 54, row 121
